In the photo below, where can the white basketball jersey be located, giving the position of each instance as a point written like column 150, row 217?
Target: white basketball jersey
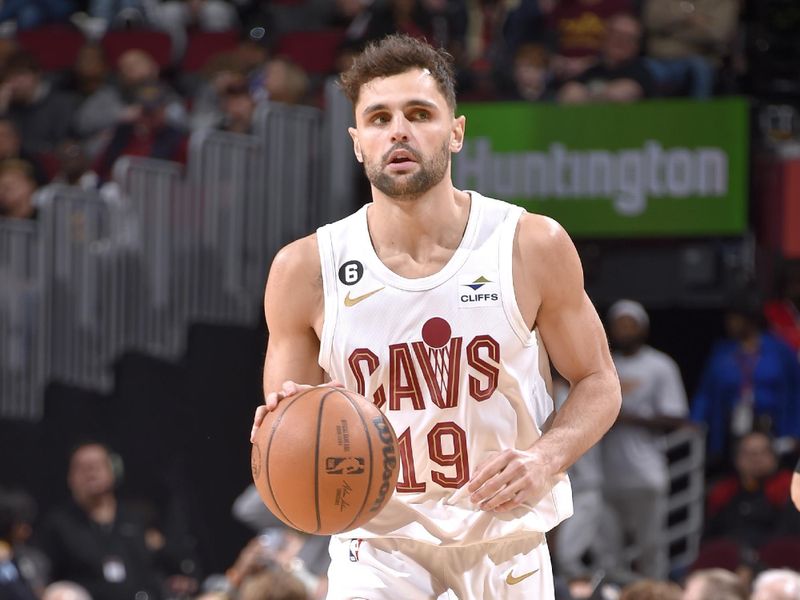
column 448, row 358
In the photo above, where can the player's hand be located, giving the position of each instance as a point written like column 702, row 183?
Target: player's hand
column 510, row 479
column 289, row 388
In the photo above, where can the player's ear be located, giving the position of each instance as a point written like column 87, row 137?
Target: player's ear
column 457, row 133
column 356, row 146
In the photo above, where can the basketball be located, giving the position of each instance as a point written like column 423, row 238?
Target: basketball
column 325, row 460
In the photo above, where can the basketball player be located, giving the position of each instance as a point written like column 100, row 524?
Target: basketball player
column 425, row 301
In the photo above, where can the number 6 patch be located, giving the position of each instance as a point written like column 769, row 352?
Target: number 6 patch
column 351, row 272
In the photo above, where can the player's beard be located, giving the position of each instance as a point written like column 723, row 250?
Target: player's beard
column 428, row 174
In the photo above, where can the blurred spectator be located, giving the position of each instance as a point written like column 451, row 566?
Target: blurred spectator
column 145, row 132
column 223, row 71
column 283, row 81
column 18, row 580
column 311, row 550
column 649, row 589
column 746, row 507
column 448, row 24
column 269, row 552
column 17, row 187
column 783, row 314
column 776, row 584
column 751, row 382
column 176, row 17
column 41, row 114
column 580, row 29
column 532, row 76
column 27, row 14
column 527, row 24
column 796, row 486
column 11, row 147
column 276, row 584
column 714, row 584
column 353, row 16
column 95, row 540
column 400, row 16
column 621, row 74
column 65, row 590
column 237, row 107
column 345, row 54
column 89, row 73
column 113, row 104
column 635, row 477
column 74, row 166
column 688, row 41
column 113, row 12
column 32, row 564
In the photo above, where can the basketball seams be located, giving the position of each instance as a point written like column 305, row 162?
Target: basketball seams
column 371, row 458
column 316, row 462
column 278, row 419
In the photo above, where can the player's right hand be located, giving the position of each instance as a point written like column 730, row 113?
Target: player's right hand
column 288, row 388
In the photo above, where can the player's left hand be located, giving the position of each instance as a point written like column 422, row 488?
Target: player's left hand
column 510, row 479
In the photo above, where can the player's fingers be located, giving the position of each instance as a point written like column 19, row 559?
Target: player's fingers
column 490, row 488
column 289, row 387
column 486, row 470
column 504, row 496
column 272, row 399
column 508, row 506
column 258, row 418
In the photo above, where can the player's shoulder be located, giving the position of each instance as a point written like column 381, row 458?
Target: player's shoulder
column 538, row 235
column 299, row 258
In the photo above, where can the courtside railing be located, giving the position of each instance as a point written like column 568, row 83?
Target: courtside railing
column 23, row 343
column 97, row 274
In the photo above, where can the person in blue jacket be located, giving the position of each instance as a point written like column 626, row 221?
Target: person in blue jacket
column 751, row 382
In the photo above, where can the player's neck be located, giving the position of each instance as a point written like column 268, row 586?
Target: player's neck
column 419, row 228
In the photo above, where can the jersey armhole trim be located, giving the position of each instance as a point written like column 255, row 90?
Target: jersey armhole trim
column 327, row 269
column 506, row 265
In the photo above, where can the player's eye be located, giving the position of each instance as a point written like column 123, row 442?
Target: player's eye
column 421, row 115
column 380, row 119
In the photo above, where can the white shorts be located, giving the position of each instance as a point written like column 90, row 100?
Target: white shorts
column 402, row 569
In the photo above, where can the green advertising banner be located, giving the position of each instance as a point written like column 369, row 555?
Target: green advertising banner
column 656, row 168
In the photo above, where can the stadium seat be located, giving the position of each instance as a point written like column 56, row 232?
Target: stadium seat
column 718, row 554
column 156, row 43
column 203, row 45
column 781, row 553
column 55, row 46
column 315, row 51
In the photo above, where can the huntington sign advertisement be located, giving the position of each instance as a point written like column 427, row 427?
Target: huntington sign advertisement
column 657, row 168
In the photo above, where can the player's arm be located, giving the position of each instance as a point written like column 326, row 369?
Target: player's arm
column 292, row 303
column 796, row 486
column 577, row 345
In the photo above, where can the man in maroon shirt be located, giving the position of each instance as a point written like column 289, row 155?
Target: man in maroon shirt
column 144, row 131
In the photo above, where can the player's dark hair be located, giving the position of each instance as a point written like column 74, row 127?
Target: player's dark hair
column 396, row 54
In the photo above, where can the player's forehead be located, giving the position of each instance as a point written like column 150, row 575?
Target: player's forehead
column 399, row 90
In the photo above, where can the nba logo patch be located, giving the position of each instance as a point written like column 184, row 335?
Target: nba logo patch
column 478, row 291
column 355, row 544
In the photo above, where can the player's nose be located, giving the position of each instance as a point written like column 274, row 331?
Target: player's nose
column 400, row 129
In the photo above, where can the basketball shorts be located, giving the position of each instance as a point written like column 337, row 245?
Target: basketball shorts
column 402, row 569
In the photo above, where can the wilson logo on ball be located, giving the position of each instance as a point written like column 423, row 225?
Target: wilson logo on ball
column 389, row 460
column 344, row 465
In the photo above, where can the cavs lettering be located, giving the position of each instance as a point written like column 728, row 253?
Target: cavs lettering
column 438, row 356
